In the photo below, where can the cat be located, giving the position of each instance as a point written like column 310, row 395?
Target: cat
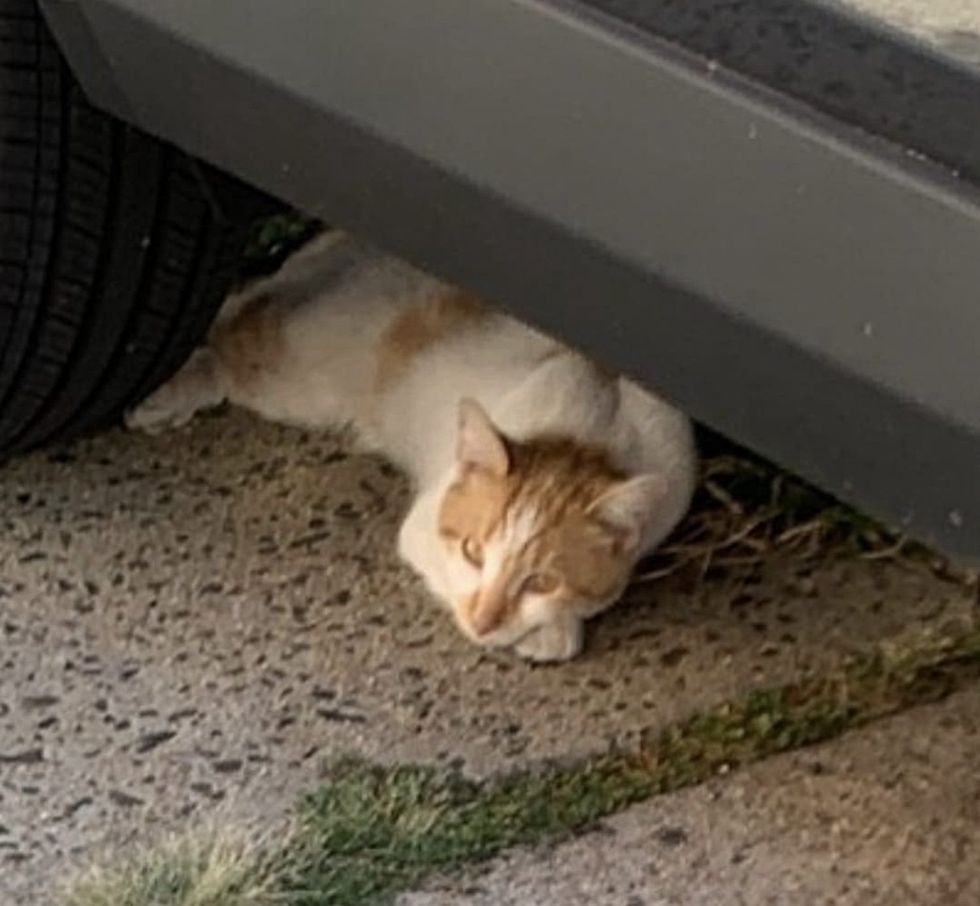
column 539, row 478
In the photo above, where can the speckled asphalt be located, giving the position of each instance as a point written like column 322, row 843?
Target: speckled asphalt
column 189, row 624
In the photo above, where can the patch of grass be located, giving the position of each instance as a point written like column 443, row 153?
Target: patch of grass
column 372, row 831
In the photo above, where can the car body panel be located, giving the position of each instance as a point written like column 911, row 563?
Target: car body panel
column 793, row 280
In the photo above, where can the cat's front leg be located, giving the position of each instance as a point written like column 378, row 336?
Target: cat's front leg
column 198, row 385
column 560, row 640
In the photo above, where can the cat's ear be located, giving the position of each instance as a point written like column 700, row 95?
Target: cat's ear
column 624, row 509
column 479, row 445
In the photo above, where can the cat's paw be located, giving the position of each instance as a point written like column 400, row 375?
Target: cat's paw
column 553, row 642
column 193, row 388
column 159, row 412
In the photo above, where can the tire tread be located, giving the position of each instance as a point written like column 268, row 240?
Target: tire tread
column 113, row 259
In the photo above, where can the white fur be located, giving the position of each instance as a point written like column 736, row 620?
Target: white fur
column 339, row 296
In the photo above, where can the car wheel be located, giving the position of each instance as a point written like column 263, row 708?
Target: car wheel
column 115, row 248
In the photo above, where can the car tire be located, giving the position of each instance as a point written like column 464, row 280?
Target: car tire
column 115, row 248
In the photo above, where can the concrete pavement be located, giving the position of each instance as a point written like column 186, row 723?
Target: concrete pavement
column 189, row 624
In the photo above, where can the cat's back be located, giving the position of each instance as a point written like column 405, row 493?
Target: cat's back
column 336, row 274
column 654, row 436
column 657, row 429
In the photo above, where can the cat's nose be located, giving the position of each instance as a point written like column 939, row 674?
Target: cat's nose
column 484, row 624
column 487, row 614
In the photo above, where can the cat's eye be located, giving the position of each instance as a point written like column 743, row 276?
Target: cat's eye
column 541, row 583
column 473, row 551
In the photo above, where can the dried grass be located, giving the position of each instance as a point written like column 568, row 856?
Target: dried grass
column 217, row 865
column 747, row 512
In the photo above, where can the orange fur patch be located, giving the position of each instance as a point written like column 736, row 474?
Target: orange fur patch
column 420, row 327
column 473, row 507
column 250, row 344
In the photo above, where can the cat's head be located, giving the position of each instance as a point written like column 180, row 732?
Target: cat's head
column 533, row 530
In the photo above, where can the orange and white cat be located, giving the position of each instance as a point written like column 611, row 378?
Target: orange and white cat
column 539, row 478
